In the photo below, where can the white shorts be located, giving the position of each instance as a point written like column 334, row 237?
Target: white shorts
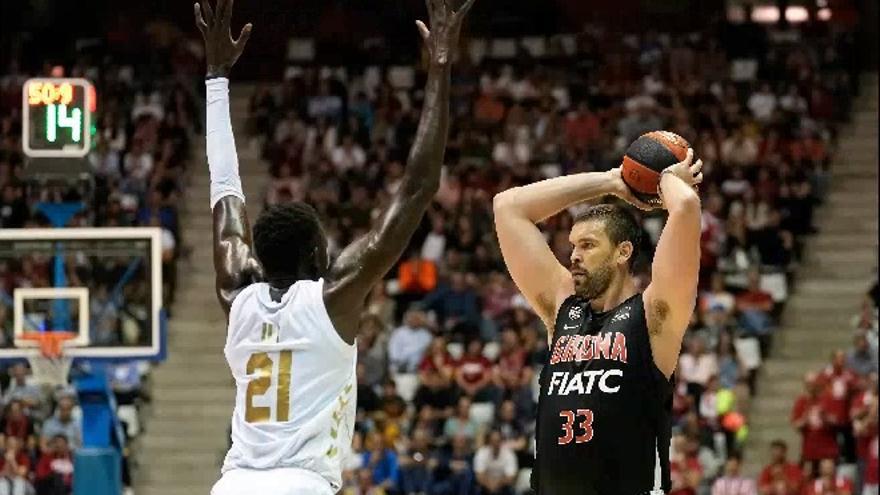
column 281, row 481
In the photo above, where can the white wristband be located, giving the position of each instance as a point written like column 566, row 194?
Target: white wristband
column 220, row 143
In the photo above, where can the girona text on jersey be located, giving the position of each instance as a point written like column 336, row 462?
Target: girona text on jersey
column 577, row 348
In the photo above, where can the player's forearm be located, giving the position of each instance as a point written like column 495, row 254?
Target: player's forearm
column 548, row 197
column 429, row 146
column 220, row 143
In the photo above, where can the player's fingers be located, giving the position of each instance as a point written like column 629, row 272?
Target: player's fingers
column 222, row 11
column 244, row 36
column 465, row 8
column 200, row 21
column 423, row 30
column 699, row 178
column 689, row 158
column 696, row 167
column 209, row 12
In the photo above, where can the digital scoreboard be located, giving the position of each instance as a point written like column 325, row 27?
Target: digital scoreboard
column 57, row 117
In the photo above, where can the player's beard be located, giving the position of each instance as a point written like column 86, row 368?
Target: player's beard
column 596, row 282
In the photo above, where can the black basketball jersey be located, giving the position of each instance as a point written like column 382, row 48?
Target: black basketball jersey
column 605, row 410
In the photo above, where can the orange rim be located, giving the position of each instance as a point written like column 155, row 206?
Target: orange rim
column 51, row 343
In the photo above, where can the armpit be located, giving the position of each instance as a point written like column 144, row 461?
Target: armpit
column 658, row 313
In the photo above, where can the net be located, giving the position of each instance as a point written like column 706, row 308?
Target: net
column 50, row 367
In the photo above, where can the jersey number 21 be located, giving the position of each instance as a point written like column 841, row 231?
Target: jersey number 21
column 261, row 364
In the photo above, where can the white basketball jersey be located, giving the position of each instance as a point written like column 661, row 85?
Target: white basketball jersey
column 295, row 383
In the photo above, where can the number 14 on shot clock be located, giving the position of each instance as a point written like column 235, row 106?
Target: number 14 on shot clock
column 57, row 117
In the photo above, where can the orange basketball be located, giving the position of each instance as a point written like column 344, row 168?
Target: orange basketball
column 646, row 157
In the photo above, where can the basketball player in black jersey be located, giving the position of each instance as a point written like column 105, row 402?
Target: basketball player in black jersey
column 605, row 404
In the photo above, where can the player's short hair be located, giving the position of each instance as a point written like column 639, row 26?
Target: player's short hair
column 620, row 225
column 289, row 240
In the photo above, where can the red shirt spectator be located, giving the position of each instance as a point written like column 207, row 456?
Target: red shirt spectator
column 473, row 370
column 839, row 385
column 780, row 477
column 863, row 414
column 512, row 370
column 57, row 461
column 15, row 458
column 581, row 128
column 686, row 470
column 871, row 463
column 437, row 358
column 754, row 298
column 15, row 423
column 810, row 417
column 828, row 482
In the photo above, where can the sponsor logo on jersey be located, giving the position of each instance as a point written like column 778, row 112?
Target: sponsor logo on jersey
column 575, row 313
column 578, row 348
column 585, row 382
column 621, row 315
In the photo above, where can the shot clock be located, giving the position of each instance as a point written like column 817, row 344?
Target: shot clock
column 57, row 117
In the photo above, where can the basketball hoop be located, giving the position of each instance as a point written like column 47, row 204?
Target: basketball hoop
column 50, row 366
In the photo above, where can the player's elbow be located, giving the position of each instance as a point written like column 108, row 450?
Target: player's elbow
column 503, row 201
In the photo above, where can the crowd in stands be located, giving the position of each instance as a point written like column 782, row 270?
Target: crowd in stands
column 449, row 352
column 147, row 116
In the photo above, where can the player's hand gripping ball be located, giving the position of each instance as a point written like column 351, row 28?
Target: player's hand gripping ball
column 646, row 158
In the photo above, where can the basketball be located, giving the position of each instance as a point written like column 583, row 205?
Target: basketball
column 646, row 157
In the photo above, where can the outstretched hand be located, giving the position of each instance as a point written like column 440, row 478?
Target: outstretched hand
column 221, row 51
column 442, row 39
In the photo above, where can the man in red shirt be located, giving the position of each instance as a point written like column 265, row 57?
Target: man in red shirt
column 54, row 472
column 863, row 414
column 780, row 477
column 473, row 373
column 810, row 416
column 685, row 468
column 840, row 384
column 581, row 128
column 513, row 373
column 828, row 482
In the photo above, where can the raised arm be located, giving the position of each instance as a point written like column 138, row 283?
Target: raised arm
column 544, row 282
column 234, row 262
column 363, row 263
column 672, row 294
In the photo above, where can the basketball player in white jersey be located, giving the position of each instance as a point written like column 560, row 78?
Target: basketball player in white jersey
column 293, row 316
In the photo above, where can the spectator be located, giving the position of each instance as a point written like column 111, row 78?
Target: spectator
column 15, row 464
column 840, row 386
column 367, row 399
column 54, row 472
column 863, row 415
column 582, row 128
column 828, row 482
column 436, row 373
column 514, row 374
column 453, row 472
column 461, row 423
column 495, row 466
column 755, row 307
column 717, row 298
column 732, row 482
column 365, row 485
column 348, row 156
column 19, row 389
column 686, row 472
column 780, row 477
column 408, row 343
column 62, row 423
column 473, row 373
column 762, row 103
column 513, row 432
column 810, row 416
column 456, row 305
column 739, row 150
column 15, row 423
column 414, row 472
column 696, row 367
column 381, row 462
column 729, row 367
column 861, row 360
column 372, row 349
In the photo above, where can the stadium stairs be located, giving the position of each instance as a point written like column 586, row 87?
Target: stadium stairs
column 838, row 266
column 187, row 428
